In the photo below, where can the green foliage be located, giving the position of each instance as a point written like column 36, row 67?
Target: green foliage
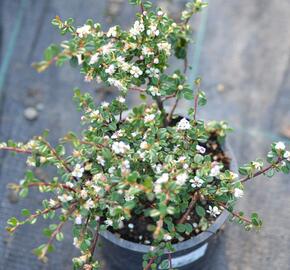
column 145, row 163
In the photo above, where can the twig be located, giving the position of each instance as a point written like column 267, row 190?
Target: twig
column 94, row 243
column 245, row 179
column 172, row 110
column 235, row 213
column 170, row 261
column 51, row 185
column 17, row 150
column 195, row 106
column 194, row 198
column 138, row 89
column 150, row 263
column 57, row 230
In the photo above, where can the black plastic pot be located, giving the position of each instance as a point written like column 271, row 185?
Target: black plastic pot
column 191, row 254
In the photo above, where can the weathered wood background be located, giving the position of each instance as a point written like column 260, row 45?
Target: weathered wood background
column 245, row 65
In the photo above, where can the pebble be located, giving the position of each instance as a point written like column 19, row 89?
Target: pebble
column 30, row 113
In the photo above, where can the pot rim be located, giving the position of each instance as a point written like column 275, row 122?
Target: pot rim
column 194, row 241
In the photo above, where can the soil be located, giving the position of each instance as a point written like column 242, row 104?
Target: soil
column 140, row 233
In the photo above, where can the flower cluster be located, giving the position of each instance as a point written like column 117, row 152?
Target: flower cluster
column 146, row 163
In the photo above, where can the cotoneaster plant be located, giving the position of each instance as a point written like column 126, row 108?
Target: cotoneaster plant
column 150, row 166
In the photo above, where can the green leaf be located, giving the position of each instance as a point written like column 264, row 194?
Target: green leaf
column 12, row 221
column 133, row 177
column 180, row 228
column 59, row 236
column 25, row 212
column 202, row 98
column 23, row 192
column 200, row 210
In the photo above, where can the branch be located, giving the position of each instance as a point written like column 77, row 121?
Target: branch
column 170, row 261
column 245, row 179
column 43, row 212
column 235, row 214
column 172, row 110
column 195, row 106
column 150, row 263
column 57, row 230
column 63, row 163
column 94, row 243
column 17, row 150
column 192, row 203
column 51, row 185
column 137, row 89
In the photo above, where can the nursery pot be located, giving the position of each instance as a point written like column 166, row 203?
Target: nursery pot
column 120, row 254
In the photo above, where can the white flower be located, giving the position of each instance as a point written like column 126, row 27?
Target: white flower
column 120, row 147
column 136, row 71
column 83, row 31
column 134, row 134
column 119, row 133
column 185, row 166
column 167, row 237
column 157, row 189
column 153, row 30
column 183, row 124
column 163, row 178
column 149, row 118
column 52, row 203
column 109, row 222
column 180, row 87
column 238, row 193
column 94, row 58
column 126, row 164
column 76, row 242
column 111, row 69
column 181, row 179
column 160, row 13
column 144, row 145
column 101, row 160
column 215, row 171
column 78, row 220
column 181, row 159
column 65, row 198
column 156, row 61
column 78, row 171
column 116, row 83
column 69, row 184
column 287, row 155
column 280, row 146
column 121, row 99
column 153, row 72
column 137, row 28
column 111, row 170
column 147, row 51
column 131, row 226
column 257, row 165
column 89, row 204
column 105, row 104
column 200, row 149
column 112, row 32
column 129, row 197
column 165, row 46
column 196, row 182
column 213, row 211
column 95, row 114
column 84, row 194
column 106, row 49
column 154, row 91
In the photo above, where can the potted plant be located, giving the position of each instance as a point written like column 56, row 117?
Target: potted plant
column 148, row 181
